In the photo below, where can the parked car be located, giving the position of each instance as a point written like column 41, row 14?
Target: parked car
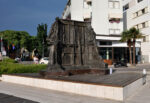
column 17, row 59
column 120, row 63
column 44, row 60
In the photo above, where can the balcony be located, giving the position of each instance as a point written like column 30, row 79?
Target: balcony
column 115, row 15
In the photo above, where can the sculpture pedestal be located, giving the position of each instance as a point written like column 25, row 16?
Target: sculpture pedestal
column 47, row 74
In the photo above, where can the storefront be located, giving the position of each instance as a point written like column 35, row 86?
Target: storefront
column 112, row 51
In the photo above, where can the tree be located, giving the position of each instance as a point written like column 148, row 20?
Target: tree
column 19, row 39
column 125, row 37
column 134, row 34
column 16, row 37
column 33, row 43
column 130, row 37
column 41, row 37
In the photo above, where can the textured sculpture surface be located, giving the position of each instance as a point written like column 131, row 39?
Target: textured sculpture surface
column 73, row 46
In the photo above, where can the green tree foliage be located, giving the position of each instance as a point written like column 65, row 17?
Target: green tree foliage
column 41, row 37
column 18, row 38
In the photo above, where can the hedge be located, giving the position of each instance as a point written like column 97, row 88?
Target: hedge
column 9, row 66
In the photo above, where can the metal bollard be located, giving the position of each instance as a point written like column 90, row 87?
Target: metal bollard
column 110, row 71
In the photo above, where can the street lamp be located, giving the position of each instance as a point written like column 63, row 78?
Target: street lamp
column 43, row 48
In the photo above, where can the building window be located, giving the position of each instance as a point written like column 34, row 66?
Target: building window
column 110, row 4
column 146, row 10
column 143, row 11
column 111, row 31
column 147, row 24
column 136, row 26
column 142, row 25
column 114, row 4
column 87, row 5
column 105, row 43
column 146, row 39
column 126, row 7
column 106, row 53
column 114, row 31
column 139, row 1
column 140, row 12
column 117, row 31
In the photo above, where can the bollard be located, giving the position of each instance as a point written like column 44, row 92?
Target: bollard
column 144, row 76
column 144, row 72
column 110, row 71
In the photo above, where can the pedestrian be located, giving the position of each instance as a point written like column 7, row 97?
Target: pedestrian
column 36, row 60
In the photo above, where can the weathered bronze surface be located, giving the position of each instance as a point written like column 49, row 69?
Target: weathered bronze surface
column 73, row 47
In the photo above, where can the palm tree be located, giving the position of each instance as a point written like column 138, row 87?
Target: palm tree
column 130, row 37
column 125, row 37
column 134, row 34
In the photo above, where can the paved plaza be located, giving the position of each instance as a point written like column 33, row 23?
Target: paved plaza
column 4, row 98
column 50, row 96
column 137, row 69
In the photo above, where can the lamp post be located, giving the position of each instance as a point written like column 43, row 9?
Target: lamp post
column 43, row 48
column 1, row 44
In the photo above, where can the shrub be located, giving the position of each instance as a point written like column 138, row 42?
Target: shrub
column 10, row 67
column 8, row 60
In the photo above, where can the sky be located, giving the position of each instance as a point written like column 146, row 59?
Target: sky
column 25, row 15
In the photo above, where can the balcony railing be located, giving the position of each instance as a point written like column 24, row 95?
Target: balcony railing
column 114, row 31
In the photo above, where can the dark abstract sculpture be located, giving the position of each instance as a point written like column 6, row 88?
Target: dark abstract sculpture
column 73, row 49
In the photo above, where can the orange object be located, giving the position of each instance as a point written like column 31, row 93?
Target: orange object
column 109, row 62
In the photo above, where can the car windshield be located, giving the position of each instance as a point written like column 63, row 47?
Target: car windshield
column 46, row 58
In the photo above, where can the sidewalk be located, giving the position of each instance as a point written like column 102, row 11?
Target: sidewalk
column 50, row 96
column 47, row 96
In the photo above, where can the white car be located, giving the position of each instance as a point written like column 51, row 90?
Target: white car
column 44, row 60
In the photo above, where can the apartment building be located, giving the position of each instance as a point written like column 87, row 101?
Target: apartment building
column 137, row 14
column 106, row 17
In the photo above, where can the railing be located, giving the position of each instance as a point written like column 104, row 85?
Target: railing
column 114, row 31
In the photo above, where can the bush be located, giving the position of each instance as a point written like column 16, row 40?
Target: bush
column 8, row 60
column 9, row 67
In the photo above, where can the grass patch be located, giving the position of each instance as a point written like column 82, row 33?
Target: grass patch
column 9, row 66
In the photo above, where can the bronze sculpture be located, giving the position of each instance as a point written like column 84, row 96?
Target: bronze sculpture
column 73, row 49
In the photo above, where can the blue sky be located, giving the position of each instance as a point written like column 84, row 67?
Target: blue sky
column 25, row 15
